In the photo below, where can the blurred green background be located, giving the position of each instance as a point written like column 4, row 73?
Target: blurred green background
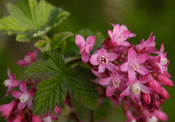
column 141, row 17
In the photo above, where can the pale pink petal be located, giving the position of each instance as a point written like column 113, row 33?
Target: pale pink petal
column 85, row 57
column 79, row 40
column 132, row 35
column 124, row 66
column 22, row 63
column 33, row 55
column 105, row 81
column 131, row 54
column 90, row 40
column 110, row 33
column 126, row 35
column 142, row 70
column 102, row 52
column 124, row 43
column 111, row 67
column 94, row 60
column 21, row 106
column 16, row 94
column 101, row 68
column 126, row 92
column 116, row 29
column 123, row 28
column 112, row 56
column 88, row 48
column 145, row 89
column 23, row 88
column 132, row 75
column 110, row 91
column 142, row 58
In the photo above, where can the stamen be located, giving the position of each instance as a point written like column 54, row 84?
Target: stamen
column 136, row 66
column 136, row 88
column 24, row 98
column 103, row 59
column 116, row 84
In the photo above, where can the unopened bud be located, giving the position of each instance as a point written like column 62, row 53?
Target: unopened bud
column 164, row 93
column 147, row 98
column 166, row 81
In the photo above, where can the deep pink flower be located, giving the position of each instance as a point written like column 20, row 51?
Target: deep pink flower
column 29, row 58
column 114, row 82
column 132, row 64
column 120, row 34
column 134, row 89
column 147, row 46
column 7, row 109
column 11, row 82
column 25, row 97
column 85, row 47
column 102, row 58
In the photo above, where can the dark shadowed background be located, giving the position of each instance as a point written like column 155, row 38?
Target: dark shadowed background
column 141, row 17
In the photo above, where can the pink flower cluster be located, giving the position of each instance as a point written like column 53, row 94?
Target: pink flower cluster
column 20, row 109
column 129, row 73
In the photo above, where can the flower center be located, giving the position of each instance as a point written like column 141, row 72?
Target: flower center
column 24, row 98
column 103, row 59
column 153, row 119
column 27, row 58
column 120, row 36
column 163, row 61
column 136, row 88
column 116, row 84
column 136, row 66
column 7, row 82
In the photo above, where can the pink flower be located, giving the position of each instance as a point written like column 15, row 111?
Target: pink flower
column 120, row 34
column 148, row 46
column 161, row 61
column 114, row 82
column 102, row 58
column 48, row 117
column 29, row 58
column 11, row 82
column 85, row 47
column 134, row 89
column 25, row 97
column 7, row 109
column 132, row 64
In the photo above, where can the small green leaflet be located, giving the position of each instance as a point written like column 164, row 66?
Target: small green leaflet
column 32, row 20
column 50, row 68
column 59, row 41
column 82, row 88
column 50, row 92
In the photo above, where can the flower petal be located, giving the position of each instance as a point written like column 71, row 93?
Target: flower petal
column 145, row 89
column 124, row 66
column 110, row 91
column 142, row 58
column 102, row 52
column 23, row 88
column 111, row 56
column 126, row 92
column 85, row 57
column 101, row 68
column 105, row 81
column 94, row 60
column 142, row 70
column 79, row 40
column 132, row 75
column 16, row 94
column 90, row 40
column 131, row 54
column 21, row 106
column 111, row 67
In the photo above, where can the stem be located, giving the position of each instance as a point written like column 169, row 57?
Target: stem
column 91, row 115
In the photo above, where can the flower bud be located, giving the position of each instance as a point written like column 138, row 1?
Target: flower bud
column 146, row 98
column 164, row 93
column 166, row 81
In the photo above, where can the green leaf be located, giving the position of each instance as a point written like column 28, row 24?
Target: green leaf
column 50, row 92
column 58, row 41
column 99, row 40
column 82, row 88
column 31, row 20
column 53, row 66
